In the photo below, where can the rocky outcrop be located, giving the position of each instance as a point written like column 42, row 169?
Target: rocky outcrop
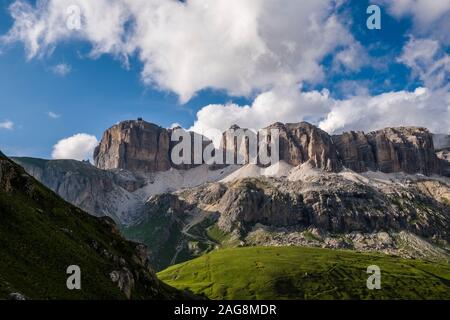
column 442, row 145
column 124, row 279
column 235, row 145
column 195, row 146
column 304, row 143
column 134, row 146
column 251, row 201
column 139, row 146
column 404, row 149
column 17, row 296
column 355, row 151
column 298, row 143
column 334, row 205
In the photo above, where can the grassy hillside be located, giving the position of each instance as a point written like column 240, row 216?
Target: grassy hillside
column 306, row 273
column 41, row 235
column 160, row 233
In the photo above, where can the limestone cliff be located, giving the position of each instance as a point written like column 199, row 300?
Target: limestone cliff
column 404, row 149
column 134, row 146
column 139, row 146
column 298, row 143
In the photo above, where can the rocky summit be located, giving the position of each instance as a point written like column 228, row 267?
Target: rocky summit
column 134, row 146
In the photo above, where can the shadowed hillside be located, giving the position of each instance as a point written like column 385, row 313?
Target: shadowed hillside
column 41, row 235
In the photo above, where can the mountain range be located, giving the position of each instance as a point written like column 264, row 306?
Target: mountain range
column 385, row 191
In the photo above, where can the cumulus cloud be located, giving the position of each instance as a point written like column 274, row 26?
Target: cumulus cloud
column 282, row 104
column 421, row 107
column 255, row 48
column 62, row 69
column 7, row 125
column 78, row 147
column 242, row 47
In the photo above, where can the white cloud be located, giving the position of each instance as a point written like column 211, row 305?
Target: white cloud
column 423, row 11
column 78, row 147
column 253, row 48
column 62, row 69
column 421, row 107
column 427, row 61
column 431, row 17
column 242, row 47
column 284, row 105
column 7, row 125
column 53, row 115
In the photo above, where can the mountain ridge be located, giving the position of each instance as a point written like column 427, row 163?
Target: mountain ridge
column 142, row 146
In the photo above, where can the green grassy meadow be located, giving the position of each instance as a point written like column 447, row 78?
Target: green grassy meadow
column 306, row 273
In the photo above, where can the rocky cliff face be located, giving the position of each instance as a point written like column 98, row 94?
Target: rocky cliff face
column 298, row 143
column 134, row 146
column 404, row 149
column 444, row 157
column 355, row 151
column 304, row 143
column 139, row 146
column 441, row 141
column 334, row 204
column 442, row 146
column 99, row 192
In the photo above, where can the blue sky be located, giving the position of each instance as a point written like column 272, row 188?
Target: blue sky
column 99, row 91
